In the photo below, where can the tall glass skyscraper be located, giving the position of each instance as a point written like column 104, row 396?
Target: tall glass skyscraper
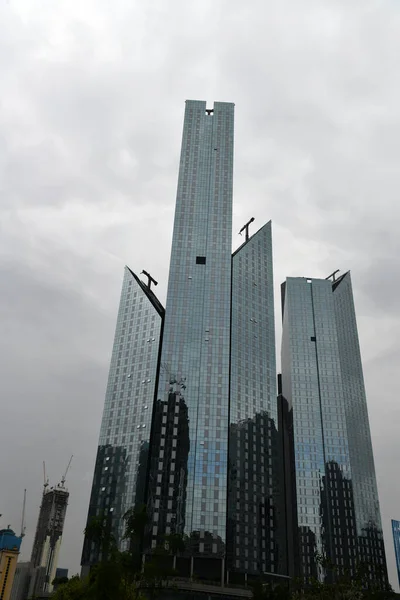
column 190, row 421
column 322, row 379
column 195, row 351
column 256, row 531
column 122, row 454
column 396, row 541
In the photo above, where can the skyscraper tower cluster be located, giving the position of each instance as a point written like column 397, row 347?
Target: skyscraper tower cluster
column 258, row 480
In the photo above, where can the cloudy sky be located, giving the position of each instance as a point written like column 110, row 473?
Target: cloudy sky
column 91, row 105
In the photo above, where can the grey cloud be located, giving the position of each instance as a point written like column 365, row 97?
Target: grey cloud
column 380, row 282
column 92, row 99
column 51, row 392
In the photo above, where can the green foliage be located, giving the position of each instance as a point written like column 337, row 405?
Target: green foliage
column 123, row 575
column 342, row 587
column 106, row 581
column 60, row 580
column 119, row 575
column 136, row 520
column 99, row 532
column 176, row 543
column 265, row 591
column 74, row 589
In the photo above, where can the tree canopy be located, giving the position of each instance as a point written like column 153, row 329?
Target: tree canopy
column 124, row 576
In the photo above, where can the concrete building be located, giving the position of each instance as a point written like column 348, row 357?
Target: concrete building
column 9, row 551
column 22, row 580
column 47, row 542
column 38, row 583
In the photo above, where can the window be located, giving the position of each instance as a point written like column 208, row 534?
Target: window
column 200, row 260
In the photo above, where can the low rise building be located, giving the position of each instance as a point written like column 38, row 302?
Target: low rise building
column 9, row 550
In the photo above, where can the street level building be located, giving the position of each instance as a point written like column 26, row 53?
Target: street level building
column 9, row 550
column 21, row 583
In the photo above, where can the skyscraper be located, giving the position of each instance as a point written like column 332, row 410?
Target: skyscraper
column 122, row 454
column 322, row 380
column 195, row 349
column 256, row 527
column 396, row 541
column 207, row 462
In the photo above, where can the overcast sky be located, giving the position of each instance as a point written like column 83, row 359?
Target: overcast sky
column 91, row 106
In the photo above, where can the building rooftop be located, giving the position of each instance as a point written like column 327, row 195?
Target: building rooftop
column 8, row 540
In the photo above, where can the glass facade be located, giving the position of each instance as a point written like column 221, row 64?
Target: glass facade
column 396, row 541
column 254, row 543
column 188, row 476
column 122, row 455
column 370, row 543
column 337, row 501
column 190, row 424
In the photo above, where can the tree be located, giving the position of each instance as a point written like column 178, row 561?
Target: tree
column 116, row 575
column 60, row 580
column 347, row 586
column 136, row 520
column 176, row 544
column 266, row 591
column 106, row 581
column 74, row 589
column 156, row 572
column 98, row 531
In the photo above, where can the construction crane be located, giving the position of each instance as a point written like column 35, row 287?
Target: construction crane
column 64, row 477
column 23, row 527
column 45, row 481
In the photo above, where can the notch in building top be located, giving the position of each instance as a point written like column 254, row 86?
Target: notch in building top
column 209, row 111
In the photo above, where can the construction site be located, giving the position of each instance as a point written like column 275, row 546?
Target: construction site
column 34, row 578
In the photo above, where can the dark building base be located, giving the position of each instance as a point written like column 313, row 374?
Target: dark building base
column 190, row 590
